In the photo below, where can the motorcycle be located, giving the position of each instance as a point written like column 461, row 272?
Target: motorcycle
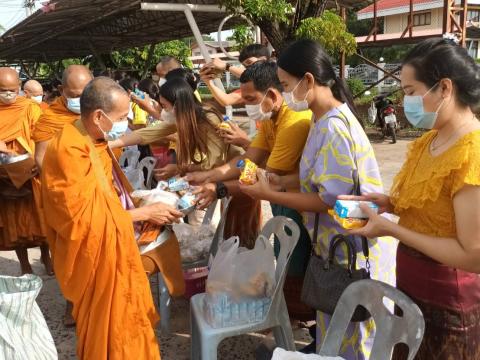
column 383, row 113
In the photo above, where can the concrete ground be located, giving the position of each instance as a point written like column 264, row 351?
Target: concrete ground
column 176, row 346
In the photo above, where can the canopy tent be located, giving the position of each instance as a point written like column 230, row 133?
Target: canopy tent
column 76, row 28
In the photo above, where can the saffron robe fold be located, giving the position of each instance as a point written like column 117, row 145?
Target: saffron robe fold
column 96, row 258
column 20, row 220
column 53, row 119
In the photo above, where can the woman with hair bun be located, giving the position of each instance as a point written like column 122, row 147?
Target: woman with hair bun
column 437, row 198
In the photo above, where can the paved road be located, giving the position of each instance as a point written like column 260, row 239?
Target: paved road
column 177, row 345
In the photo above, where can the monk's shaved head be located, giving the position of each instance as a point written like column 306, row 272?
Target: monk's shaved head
column 104, row 94
column 9, row 80
column 74, row 80
column 32, row 88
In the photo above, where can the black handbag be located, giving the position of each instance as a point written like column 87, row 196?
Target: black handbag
column 325, row 280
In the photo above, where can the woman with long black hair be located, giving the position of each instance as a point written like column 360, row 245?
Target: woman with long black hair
column 335, row 146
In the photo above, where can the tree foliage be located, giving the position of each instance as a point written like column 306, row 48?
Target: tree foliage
column 243, row 36
column 284, row 20
column 330, row 31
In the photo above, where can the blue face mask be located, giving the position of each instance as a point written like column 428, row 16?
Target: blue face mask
column 117, row 131
column 415, row 112
column 73, row 104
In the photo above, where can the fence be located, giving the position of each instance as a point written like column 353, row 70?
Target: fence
column 370, row 75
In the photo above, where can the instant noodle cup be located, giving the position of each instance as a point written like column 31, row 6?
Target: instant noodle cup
column 249, row 172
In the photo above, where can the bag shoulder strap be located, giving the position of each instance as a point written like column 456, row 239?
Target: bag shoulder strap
column 356, row 188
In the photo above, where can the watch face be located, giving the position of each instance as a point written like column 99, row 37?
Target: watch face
column 221, row 191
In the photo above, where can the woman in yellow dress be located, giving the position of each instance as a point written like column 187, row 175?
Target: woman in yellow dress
column 437, row 197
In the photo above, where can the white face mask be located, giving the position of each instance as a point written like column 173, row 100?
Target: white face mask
column 73, row 104
column 168, row 116
column 292, row 103
column 117, row 131
column 8, row 97
column 255, row 112
column 162, row 81
column 38, row 98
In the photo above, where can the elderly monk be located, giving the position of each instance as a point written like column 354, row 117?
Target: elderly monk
column 64, row 110
column 21, row 226
column 34, row 90
column 96, row 258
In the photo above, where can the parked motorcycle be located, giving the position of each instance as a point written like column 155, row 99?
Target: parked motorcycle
column 383, row 114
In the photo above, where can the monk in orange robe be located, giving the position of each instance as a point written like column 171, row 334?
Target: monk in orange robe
column 64, row 110
column 96, row 258
column 33, row 90
column 21, row 226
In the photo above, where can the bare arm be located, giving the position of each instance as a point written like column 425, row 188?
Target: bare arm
column 223, row 98
column 158, row 213
column 126, row 140
column 462, row 252
column 40, row 148
column 146, row 104
column 229, row 171
column 299, row 201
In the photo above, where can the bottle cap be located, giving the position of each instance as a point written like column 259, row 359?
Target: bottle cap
column 241, row 164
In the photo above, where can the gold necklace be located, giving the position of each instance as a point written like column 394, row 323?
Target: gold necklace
column 435, row 147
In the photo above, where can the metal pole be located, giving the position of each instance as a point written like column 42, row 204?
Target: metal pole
column 187, row 9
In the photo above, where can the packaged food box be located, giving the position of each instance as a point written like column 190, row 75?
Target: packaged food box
column 186, row 202
column 177, row 184
column 249, row 172
column 351, row 209
column 348, row 223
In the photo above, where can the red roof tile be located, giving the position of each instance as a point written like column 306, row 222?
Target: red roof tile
column 391, row 4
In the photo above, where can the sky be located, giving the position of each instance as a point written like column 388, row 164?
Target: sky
column 12, row 12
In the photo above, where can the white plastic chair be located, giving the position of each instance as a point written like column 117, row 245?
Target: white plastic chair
column 129, row 159
column 206, row 339
column 149, row 164
column 390, row 329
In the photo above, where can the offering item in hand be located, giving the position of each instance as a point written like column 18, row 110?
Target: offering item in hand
column 249, row 172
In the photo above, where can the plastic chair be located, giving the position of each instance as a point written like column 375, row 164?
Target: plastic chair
column 206, row 339
column 164, row 298
column 390, row 329
column 129, row 159
column 149, row 164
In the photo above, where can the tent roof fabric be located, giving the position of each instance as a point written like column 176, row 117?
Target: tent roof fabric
column 76, row 28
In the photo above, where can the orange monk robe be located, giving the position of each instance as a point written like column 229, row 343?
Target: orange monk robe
column 43, row 106
column 20, row 223
column 53, row 120
column 96, row 258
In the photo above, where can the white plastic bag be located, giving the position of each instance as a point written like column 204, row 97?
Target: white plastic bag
column 135, row 177
column 149, row 197
column 240, row 284
column 280, row 354
column 24, row 334
column 194, row 241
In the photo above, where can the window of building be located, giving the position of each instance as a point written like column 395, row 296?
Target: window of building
column 422, row 19
column 472, row 47
column 473, row 15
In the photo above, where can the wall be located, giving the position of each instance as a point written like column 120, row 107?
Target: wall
column 398, row 23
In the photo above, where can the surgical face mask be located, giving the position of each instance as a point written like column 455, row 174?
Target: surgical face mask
column 415, row 111
column 8, row 97
column 73, row 104
column 162, row 81
column 168, row 116
column 255, row 112
column 119, row 128
column 292, row 103
column 38, row 98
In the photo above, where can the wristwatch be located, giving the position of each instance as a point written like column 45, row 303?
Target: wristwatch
column 222, row 191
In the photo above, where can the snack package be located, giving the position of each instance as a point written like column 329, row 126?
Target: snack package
column 249, row 172
column 177, row 184
column 351, row 209
column 224, row 126
column 348, row 223
column 186, row 202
